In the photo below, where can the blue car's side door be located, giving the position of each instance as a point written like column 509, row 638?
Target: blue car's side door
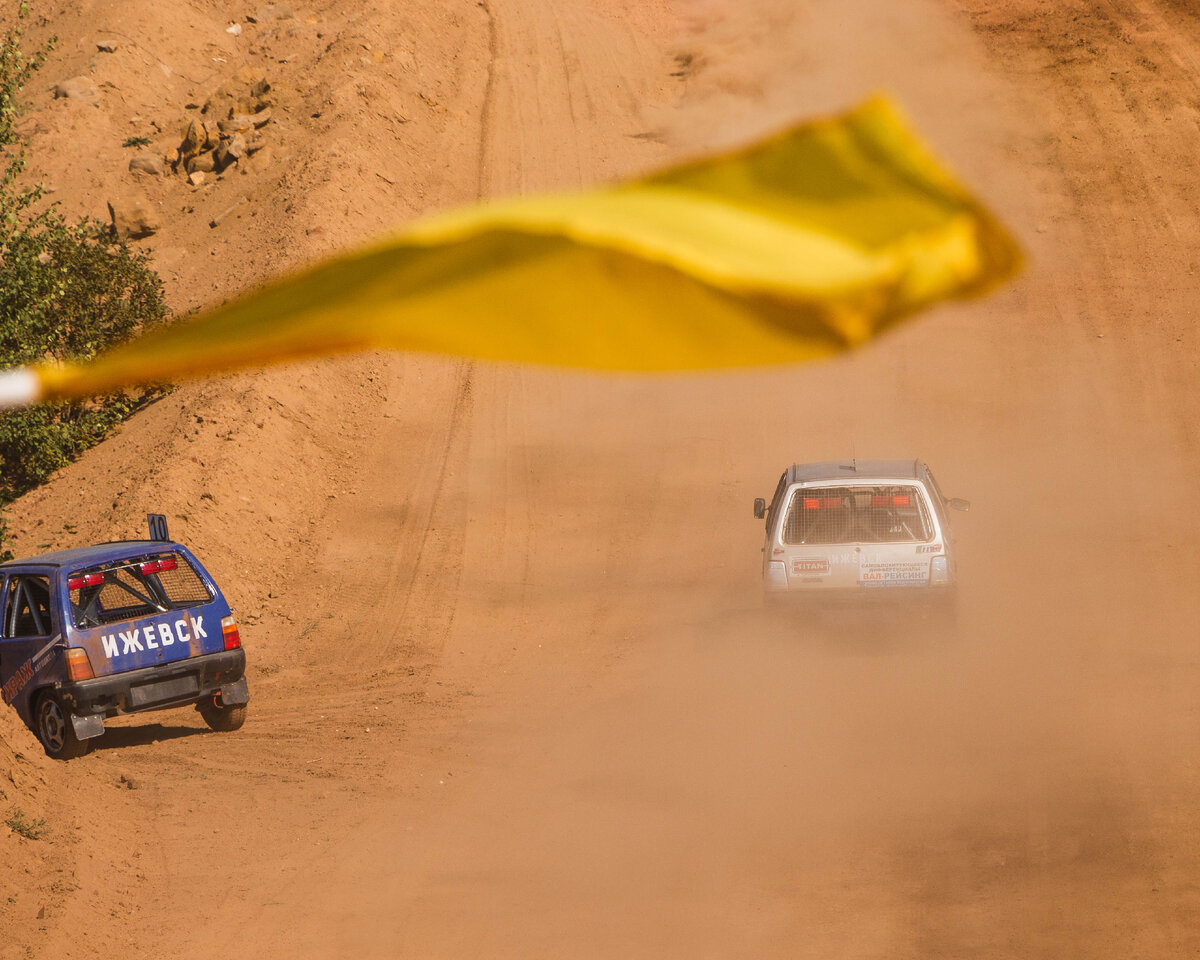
column 28, row 634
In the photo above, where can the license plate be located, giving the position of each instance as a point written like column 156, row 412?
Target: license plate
column 163, row 690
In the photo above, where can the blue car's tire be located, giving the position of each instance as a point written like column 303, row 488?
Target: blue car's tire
column 219, row 718
column 52, row 725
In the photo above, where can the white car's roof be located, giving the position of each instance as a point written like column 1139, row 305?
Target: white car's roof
column 862, row 471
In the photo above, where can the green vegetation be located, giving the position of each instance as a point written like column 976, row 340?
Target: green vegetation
column 67, row 291
column 137, row 142
column 30, row 829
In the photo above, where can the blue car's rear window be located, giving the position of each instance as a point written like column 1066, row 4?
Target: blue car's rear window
column 134, row 588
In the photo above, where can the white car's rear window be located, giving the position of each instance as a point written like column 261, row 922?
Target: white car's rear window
column 857, row 514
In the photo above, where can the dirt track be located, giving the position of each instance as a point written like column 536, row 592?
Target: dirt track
column 514, row 692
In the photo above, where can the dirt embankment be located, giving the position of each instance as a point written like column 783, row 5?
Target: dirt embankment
column 513, row 693
column 286, row 442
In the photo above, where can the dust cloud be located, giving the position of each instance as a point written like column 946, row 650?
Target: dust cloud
column 520, row 696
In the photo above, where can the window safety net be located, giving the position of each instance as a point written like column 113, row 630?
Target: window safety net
column 859, row 514
column 139, row 588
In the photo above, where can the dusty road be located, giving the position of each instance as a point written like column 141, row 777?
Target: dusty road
column 514, row 692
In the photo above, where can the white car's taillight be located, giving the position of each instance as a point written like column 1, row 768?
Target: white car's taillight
column 939, row 570
column 776, row 575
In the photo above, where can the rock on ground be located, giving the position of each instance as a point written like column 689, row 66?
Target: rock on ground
column 133, row 217
column 77, row 88
column 151, row 163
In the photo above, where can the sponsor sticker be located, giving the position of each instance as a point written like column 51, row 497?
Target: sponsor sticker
column 28, row 670
column 929, row 548
column 16, row 683
column 893, row 573
column 809, row 566
column 140, row 636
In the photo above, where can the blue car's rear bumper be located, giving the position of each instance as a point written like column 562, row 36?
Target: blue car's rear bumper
column 154, row 688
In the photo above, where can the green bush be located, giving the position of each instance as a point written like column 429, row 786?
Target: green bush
column 67, row 291
column 23, row 825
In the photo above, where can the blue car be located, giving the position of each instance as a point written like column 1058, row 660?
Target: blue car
column 122, row 627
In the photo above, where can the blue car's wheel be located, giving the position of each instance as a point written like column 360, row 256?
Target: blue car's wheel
column 220, row 718
column 52, row 724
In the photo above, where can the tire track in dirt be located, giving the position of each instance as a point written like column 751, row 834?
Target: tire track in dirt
column 421, row 590
column 486, row 106
column 1109, row 284
column 397, row 558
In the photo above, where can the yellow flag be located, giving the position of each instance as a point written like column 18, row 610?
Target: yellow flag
column 799, row 246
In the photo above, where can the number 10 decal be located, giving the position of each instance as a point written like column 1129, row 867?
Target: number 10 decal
column 158, row 526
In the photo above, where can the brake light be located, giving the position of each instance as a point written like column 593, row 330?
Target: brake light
column 79, row 667
column 900, row 501
column 88, row 580
column 811, row 504
column 229, row 633
column 829, row 503
column 158, row 566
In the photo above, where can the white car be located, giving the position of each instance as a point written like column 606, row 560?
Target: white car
column 842, row 528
